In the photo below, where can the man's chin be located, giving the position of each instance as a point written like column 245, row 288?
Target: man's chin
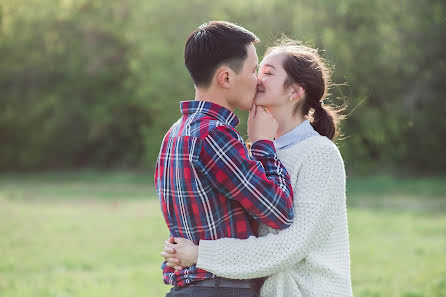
column 248, row 105
column 244, row 107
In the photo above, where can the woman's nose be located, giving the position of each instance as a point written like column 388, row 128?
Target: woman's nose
column 259, row 80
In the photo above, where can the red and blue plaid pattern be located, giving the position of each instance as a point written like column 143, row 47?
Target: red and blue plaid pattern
column 210, row 187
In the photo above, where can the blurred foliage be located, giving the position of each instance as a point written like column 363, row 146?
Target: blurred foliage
column 97, row 83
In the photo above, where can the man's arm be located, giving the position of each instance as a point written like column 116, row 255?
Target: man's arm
column 260, row 184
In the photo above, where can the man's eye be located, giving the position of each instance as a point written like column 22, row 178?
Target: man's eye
column 268, row 73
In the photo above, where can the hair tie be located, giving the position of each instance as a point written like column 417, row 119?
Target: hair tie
column 319, row 106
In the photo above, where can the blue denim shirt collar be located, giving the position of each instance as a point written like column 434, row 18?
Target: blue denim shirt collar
column 303, row 131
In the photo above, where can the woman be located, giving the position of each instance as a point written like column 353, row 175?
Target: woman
column 311, row 257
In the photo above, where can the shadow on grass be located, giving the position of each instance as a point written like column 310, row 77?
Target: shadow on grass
column 424, row 194
column 82, row 185
column 376, row 192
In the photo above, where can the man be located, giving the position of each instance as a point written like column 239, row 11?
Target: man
column 208, row 184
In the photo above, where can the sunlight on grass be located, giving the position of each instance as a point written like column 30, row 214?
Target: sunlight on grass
column 81, row 249
column 82, row 243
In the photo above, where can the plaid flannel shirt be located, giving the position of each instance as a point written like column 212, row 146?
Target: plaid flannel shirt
column 210, row 187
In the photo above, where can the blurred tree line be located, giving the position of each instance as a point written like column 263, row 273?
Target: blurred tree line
column 96, row 83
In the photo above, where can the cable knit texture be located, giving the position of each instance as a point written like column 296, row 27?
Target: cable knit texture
column 309, row 258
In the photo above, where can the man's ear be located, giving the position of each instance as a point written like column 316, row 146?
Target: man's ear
column 223, row 75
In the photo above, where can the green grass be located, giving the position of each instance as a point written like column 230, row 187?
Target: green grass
column 100, row 234
column 384, row 192
column 81, row 248
column 84, row 185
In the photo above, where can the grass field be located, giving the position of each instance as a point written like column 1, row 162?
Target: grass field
column 95, row 234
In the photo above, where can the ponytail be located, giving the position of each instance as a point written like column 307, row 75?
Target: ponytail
column 324, row 122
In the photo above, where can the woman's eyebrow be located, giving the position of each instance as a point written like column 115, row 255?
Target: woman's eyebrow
column 269, row 65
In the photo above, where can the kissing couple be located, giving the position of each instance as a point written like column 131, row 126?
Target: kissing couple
column 264, row 220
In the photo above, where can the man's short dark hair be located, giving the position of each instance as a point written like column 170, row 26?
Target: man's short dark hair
column 213, row 44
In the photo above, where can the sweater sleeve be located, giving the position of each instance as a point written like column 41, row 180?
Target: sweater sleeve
column 319, row 196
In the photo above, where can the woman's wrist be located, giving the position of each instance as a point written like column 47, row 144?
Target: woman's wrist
column 206, row 253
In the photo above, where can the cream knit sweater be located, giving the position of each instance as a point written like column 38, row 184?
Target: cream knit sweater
column 309, row 258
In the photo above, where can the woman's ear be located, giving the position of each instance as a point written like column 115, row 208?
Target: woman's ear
column 297, row 92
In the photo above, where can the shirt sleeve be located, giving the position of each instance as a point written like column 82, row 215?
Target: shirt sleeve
column 260, row 183
column 319, row 202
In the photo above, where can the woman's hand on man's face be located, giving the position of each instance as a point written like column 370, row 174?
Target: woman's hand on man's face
column 180, row 252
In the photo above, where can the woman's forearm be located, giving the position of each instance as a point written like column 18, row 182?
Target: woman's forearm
column 319, row 202
column 263, row 256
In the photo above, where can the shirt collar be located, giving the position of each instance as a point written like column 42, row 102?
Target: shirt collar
column 211, row 109
column 303, row 131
